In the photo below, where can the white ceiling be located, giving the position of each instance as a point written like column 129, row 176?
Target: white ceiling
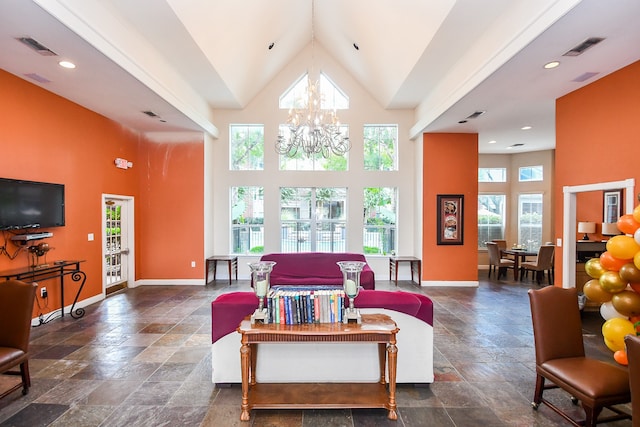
column 445, row 59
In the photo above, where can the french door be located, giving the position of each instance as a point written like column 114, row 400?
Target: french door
column 117, row 227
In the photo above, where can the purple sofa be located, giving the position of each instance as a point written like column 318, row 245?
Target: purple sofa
column 315, row 268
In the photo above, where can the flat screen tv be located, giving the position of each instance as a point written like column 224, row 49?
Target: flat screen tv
column 30, row 204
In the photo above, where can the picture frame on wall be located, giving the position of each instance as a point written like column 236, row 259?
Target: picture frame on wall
column 612, row 202
column 450, row 226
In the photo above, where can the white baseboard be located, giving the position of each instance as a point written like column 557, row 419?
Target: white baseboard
column 460, row 284
column 67, row 310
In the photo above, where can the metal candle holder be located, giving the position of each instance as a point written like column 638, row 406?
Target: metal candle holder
column 260, row 272
column 351, row 284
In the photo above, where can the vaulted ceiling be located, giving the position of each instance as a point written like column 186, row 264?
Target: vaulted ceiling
column 443, row 59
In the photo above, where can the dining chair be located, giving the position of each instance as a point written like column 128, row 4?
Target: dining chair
column 16, row 309
column 561, row 359
column 632, row 343
column 496, row 262
column 542, row 264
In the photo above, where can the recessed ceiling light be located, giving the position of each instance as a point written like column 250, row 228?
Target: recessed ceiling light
column 493, row 141
column 67, row 64
column 552, row 64
column 525, row 127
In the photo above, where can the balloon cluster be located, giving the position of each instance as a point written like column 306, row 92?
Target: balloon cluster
column 615, row 284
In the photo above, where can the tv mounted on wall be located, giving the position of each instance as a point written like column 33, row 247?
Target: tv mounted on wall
column 30, row 204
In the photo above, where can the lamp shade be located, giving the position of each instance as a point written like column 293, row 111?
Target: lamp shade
column 586, row 227
column 610, row 229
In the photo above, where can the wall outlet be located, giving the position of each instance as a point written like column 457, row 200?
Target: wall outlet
column 43, row 292
column 193, row 263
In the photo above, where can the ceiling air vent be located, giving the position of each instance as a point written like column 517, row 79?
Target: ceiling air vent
column 150, row 114
column 475, row 115
column 37, row 46
column 579, row 49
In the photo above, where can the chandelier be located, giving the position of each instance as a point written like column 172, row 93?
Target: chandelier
column 312, row 129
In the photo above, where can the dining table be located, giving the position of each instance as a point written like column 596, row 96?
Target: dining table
column 519, row 255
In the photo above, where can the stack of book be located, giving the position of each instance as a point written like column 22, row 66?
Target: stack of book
column 293, row 307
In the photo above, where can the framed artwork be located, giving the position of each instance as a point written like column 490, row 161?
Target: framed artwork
column 612, row 202
column 450, row 224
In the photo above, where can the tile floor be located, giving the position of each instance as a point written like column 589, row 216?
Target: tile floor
column 141, row 358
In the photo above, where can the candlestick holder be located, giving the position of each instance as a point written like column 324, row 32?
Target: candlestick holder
column 260, row 272
column 351, row 284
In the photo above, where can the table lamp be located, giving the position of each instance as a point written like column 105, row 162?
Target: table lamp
column 610, row 229
column 586, row 228
column 260, row 272
column 351, row 284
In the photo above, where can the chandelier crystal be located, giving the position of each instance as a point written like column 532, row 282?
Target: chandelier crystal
column 312, row 129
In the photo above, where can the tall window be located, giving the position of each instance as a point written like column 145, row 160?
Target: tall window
column 491, row 217
column 380, row 147
column 247, row 220
column 530, row 220
column 380, row 213
column 492, row 175
column 530, row 173
column 313, row 219
column 246, row 147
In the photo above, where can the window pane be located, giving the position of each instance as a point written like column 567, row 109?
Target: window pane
column 246, row 147
column 247, row 220
column 316, row 162
column 380, row 213
column 530, row 220
column 491, row 218
column 530, row 173
column 380, row 147
column 313, row 219
column 492, row 175
column 331, row 95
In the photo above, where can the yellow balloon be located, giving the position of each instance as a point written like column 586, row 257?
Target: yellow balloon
column 622, row 247
column 614, row 331
column 636, row 213
column 626, row 303
column 594, row 268
column 636, row 260
column 612, row 282
column 593, row 290
column 612, row 346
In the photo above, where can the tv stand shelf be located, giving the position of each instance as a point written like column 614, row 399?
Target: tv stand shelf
column 58, row 269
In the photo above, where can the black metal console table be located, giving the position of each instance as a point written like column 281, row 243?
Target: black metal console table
column 51, row 271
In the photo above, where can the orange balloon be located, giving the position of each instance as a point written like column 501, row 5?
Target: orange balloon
column 594, row 268
column 636, row 260
column 593, row 290
column 622, row 247
column 627, row 224
column 611, row 263
column 636, row 213
column 620, row 356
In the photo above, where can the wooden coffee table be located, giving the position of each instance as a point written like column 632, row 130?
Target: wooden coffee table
column 375, row 328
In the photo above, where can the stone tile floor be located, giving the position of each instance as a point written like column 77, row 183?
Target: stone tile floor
column 142, row 358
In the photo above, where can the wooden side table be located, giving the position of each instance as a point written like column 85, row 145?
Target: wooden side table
column 375, row 328
column 416, row 266
column 231, row 260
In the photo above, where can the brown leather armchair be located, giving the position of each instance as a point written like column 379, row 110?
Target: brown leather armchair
column 560, row 359
column 16, row 308
column 633, row 354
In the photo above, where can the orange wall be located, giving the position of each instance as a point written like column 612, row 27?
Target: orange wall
column 597, row 140
column 170, row 222
column 450, row 166
column 47, row 138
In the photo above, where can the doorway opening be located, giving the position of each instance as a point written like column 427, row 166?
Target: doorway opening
column 569, row 221
column 117, row 241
